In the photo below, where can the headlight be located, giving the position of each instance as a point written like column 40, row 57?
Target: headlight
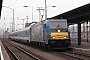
column 65, row 37
column 53, row 37
column 58, row 30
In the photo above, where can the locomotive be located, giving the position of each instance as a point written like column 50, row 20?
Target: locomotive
column 50, row 34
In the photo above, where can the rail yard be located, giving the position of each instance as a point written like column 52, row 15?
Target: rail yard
column 62, row 37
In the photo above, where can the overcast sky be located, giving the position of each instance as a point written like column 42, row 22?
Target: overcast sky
column 21, row 12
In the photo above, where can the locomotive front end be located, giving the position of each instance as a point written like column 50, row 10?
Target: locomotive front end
column 59, row 34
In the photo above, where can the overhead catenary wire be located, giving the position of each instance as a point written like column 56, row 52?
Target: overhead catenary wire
column 52, row 2
column 14, row 3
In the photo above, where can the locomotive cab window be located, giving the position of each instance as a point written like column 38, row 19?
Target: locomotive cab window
column 58, row 25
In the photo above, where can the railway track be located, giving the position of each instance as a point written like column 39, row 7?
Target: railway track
column 16, row 53
column 43, row 55
column 70, row 54
column 74, row 54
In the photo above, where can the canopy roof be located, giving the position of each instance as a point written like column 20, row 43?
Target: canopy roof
column 79, row 14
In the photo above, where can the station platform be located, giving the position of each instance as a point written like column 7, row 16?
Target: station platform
column 83, row 48
column 3, row 53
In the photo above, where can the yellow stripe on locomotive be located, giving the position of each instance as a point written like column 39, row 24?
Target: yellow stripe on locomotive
column 59, row 35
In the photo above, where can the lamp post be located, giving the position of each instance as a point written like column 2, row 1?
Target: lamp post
column 23, row 22
column 32, row 13
column 45, row 10
column 13, row 21
column 13, row 24
column 87, row 30
column 17, row 26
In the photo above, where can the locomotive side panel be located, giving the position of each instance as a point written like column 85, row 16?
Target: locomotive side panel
column 37, row 33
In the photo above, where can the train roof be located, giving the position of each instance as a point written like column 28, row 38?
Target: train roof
column 37, row 23
column 32, row 23
column 55, row 20
column 21, row 30
column 44, row 21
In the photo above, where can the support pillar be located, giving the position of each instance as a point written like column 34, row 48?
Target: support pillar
column 73, row 32
column 84, row 30
column 87, row 30
column 79, row 33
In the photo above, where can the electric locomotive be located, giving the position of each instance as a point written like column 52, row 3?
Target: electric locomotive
column 51, row 34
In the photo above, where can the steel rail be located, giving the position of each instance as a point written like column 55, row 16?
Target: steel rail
column 32, row 56
column 72, row 56
column 78, row 53
column 63, row 53
column 16, row 58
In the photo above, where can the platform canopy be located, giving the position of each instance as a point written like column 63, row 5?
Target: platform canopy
column 80, row 14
